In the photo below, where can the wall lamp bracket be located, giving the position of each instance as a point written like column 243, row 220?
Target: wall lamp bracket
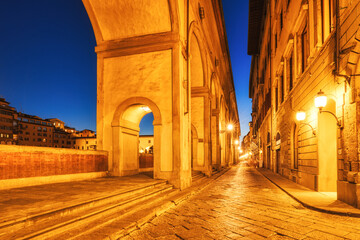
column 313, row 130
column 338, row 122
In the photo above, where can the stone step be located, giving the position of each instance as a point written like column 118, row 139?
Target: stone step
column 198, row 177
column 121, row 223
column 59, row 220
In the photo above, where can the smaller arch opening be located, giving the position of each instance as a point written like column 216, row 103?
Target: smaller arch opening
column 136, row 138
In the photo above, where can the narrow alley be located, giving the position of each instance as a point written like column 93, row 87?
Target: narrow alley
column 243, row 204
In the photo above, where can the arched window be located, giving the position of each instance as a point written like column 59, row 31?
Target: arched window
column 295, row 147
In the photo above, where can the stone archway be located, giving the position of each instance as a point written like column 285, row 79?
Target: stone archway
column 125, row 132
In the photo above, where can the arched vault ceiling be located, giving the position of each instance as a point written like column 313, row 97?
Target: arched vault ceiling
column 129, row 18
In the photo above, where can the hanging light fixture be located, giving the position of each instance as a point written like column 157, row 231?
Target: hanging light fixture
column 300, row 116
column 320, row 100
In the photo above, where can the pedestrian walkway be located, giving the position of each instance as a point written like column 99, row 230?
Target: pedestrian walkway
column 21, row 203
column 100, row 208
column 319, row 201
column 243, row 204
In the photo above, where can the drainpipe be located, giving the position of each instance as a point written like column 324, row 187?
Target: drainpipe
column 271, row 109
column 337, row 44
column 188, row 58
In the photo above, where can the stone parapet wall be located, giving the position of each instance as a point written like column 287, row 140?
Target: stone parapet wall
column 28, row 162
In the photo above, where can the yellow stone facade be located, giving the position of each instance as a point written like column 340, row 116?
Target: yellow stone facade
column 169, row 57
column 304, row 47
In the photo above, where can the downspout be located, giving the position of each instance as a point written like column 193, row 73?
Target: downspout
column 271, row 88
column 337, row 44
column 188, row 58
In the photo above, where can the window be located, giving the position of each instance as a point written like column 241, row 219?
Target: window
column 303, row 49
column 315, row 15
column 296, row 147
column 149, row 141
column 290, row 70
column 276, row 98
column 327, row 17
column 44, row 129
column 39, row 128
column 87, row 142
column 282, row 87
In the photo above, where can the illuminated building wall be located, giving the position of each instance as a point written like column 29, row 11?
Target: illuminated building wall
column 305, row 47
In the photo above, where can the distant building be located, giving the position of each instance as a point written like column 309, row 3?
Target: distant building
column 85, row 143
column 24, row 129
column 7, row 123
column 85, row 133
column 146, row 143
column 33, row 131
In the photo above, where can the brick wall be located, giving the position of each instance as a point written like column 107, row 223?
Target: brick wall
column 25, row 161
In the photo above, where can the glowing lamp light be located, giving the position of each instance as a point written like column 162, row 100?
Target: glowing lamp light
column 230, row 127
column 146, row 108
column 320, row 100
column 236, row 142
column 241, row 151
column 300, row 116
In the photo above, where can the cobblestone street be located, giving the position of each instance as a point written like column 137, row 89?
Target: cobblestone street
column 242, row 204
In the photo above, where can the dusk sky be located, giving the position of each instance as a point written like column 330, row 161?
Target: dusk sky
column 48, row 63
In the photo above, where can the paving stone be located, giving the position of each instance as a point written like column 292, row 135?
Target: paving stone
column 242, row 204
column 322, row 235
column 353, row 236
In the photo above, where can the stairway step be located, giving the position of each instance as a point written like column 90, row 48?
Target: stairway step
column 118, row 223
column 62, row 219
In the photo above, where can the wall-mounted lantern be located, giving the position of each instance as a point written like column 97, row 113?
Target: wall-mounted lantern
column 320, row 102
column 300, row 117
column 230, row 127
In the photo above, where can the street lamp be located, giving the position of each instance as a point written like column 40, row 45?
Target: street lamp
column 230, row 127
column 320, row 102
column 300, row 116
column 236, row 142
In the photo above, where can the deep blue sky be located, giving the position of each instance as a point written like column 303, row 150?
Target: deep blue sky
column 48, row 63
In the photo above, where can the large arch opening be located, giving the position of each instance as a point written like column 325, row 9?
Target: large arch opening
column 327, row 145
column 128, row 157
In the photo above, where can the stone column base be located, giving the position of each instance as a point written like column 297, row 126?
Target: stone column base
column 349, row 193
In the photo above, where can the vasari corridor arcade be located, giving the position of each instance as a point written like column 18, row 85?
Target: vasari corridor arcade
column 291, row 171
